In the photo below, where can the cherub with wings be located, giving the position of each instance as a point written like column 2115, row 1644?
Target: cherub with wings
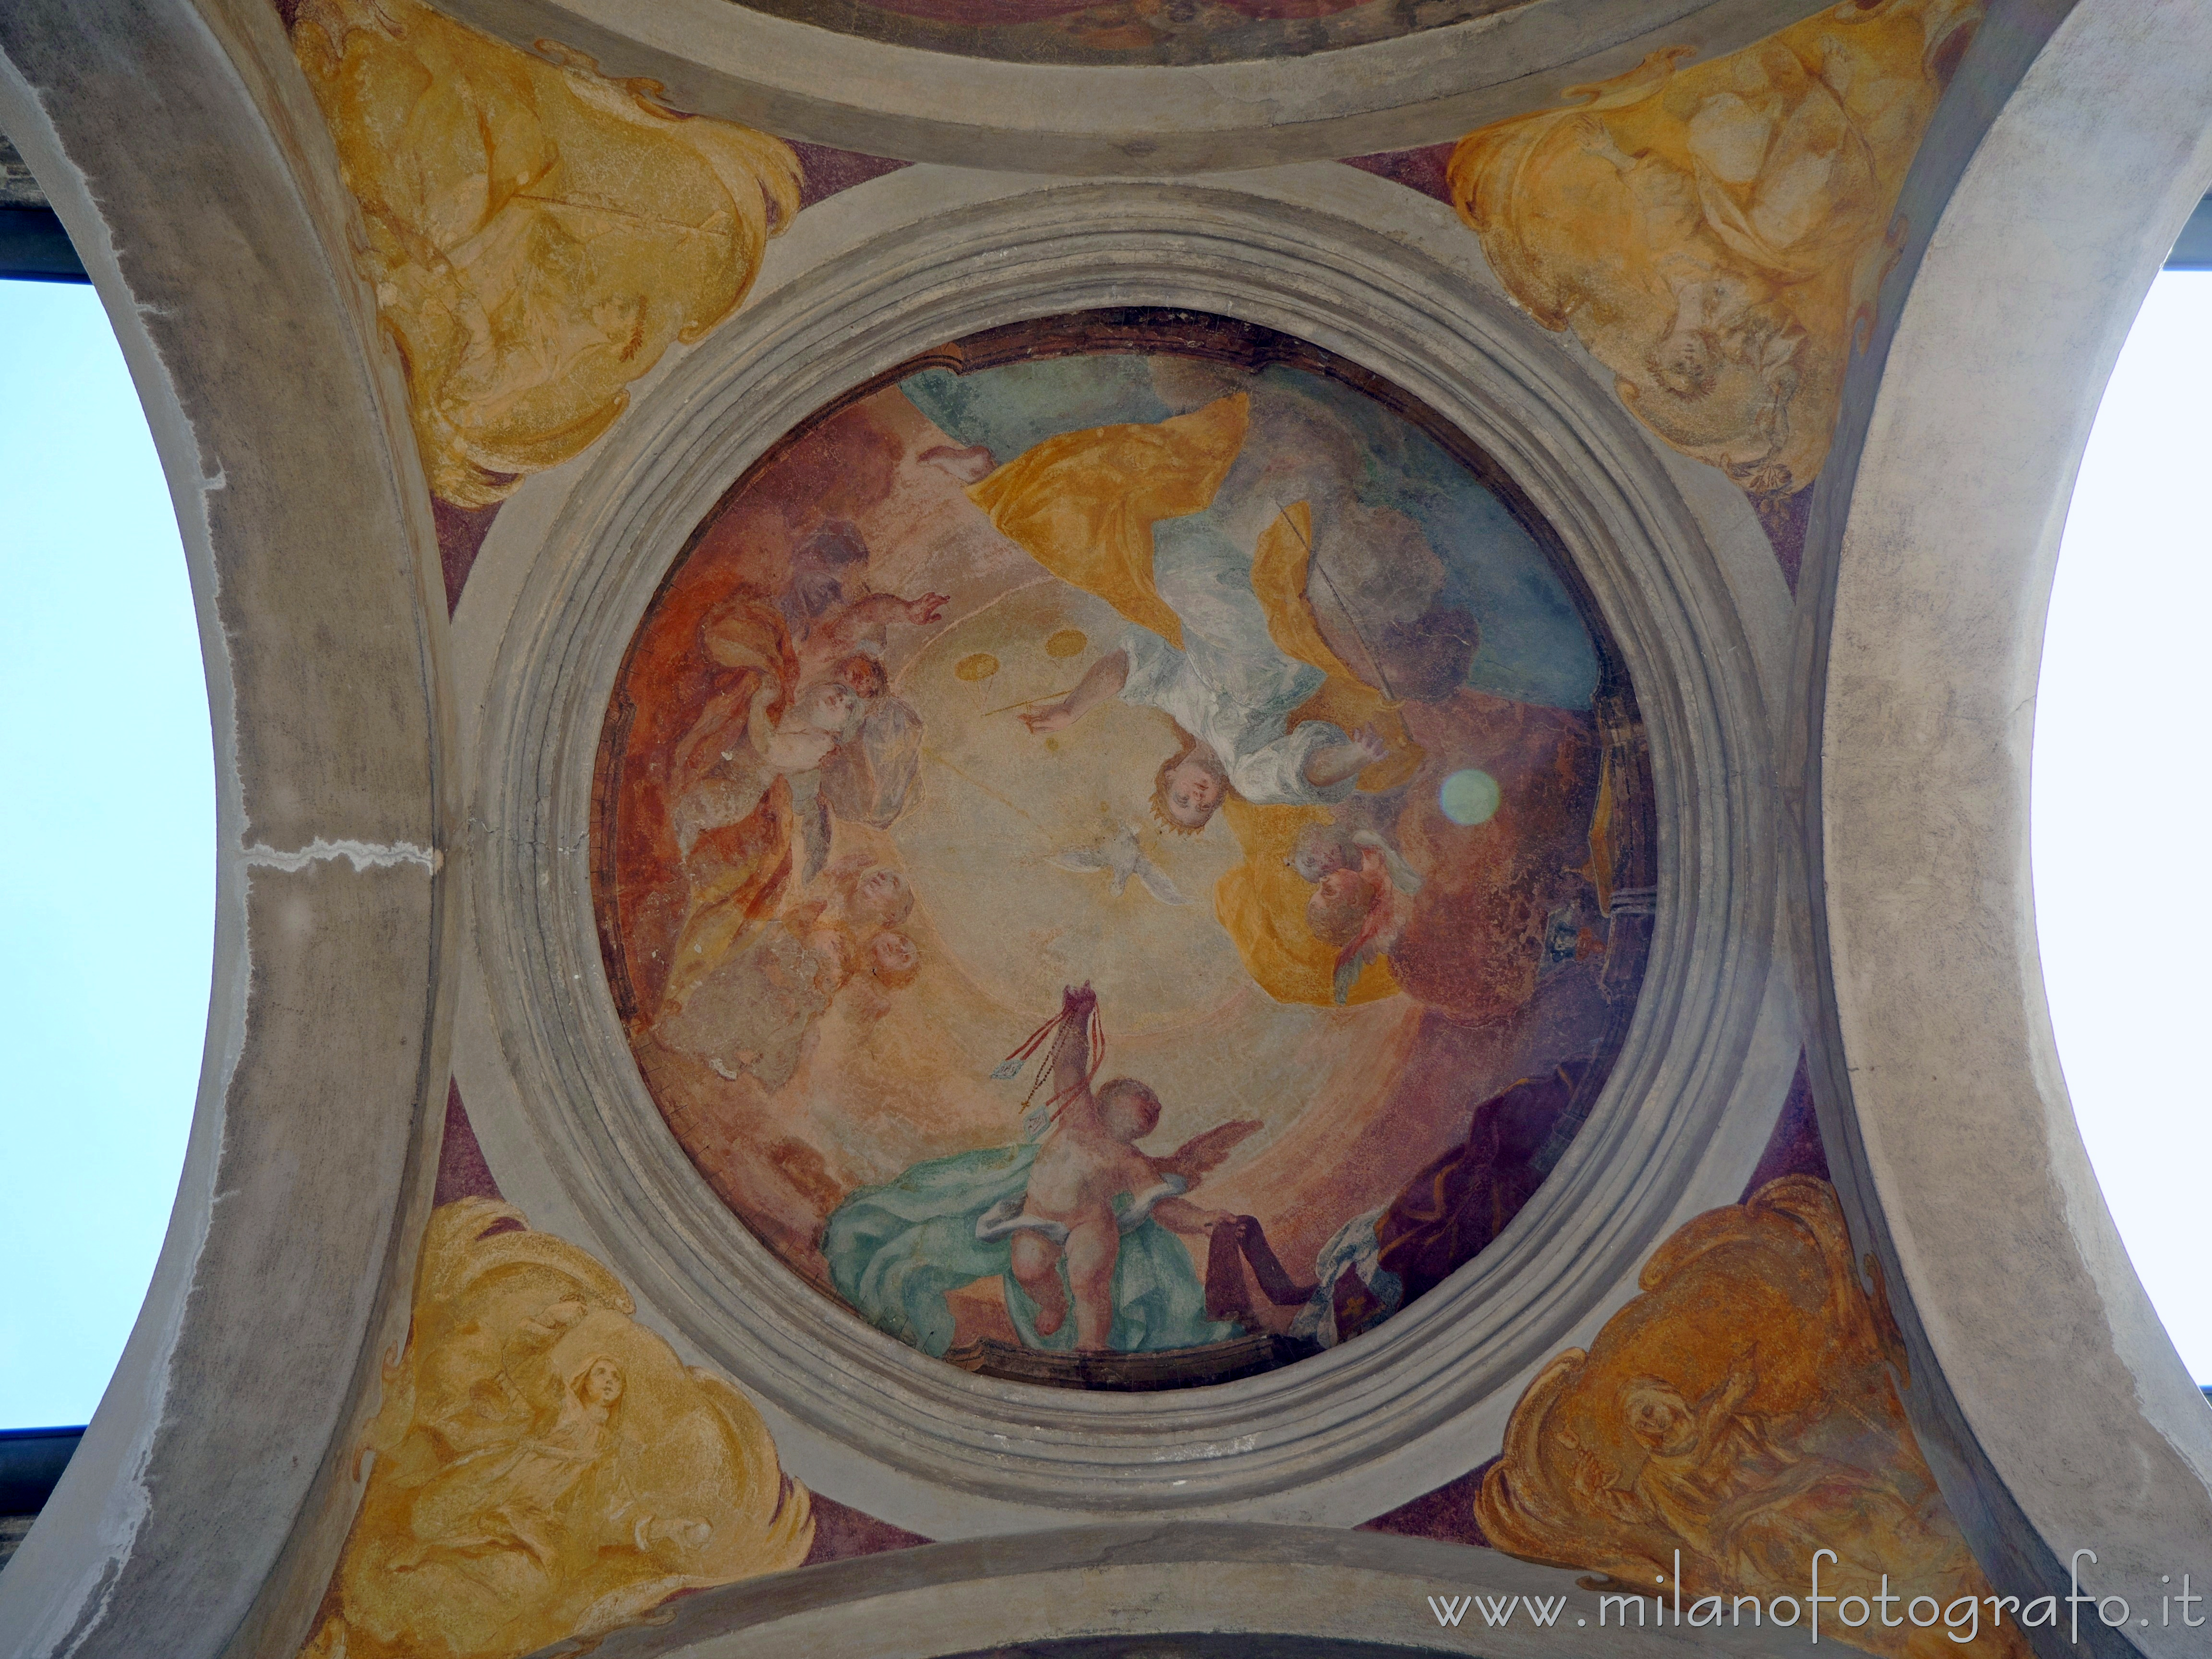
column 1090, row 1184
column 1076, row 1218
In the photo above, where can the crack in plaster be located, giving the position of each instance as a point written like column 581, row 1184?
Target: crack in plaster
column 361, row 854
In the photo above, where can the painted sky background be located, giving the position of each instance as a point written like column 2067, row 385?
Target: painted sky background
column 107, row 845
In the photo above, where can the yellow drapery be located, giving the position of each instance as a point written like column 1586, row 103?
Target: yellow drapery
column 1082, row 505
column 1280, row 564
column 1262, row 905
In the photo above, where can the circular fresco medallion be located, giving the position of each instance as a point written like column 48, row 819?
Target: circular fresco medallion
column 1124, row 851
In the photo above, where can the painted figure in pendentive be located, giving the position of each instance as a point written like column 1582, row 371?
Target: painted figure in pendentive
column 1737, row 1417
column 1717, row 231
column 514, row 1506
column 545, row 1467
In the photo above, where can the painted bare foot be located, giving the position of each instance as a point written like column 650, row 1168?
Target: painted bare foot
column 1052, row 1309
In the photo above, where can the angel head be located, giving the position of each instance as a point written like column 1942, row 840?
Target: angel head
column 1321, row 849
column 892, row 959
column 598, row 1384
column 1685, row 363
column 864, row 675
column 1129, row 1110
column 864, row 897
column 1658, row 1416
column 1338, row 910
column 1189, row 787
column 826, row 706
column 1363, row 912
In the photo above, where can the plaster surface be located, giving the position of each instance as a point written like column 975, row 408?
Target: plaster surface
column 1942, row 1078
column 198, row 1483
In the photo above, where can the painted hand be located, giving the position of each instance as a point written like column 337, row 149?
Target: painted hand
column 926, row 609
column 1051, row 719
column 1369, row 743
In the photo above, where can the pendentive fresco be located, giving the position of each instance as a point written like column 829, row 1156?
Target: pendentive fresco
column 541, row 1466
column 538, row 234
column 1716, row 232
column 1739, row 1415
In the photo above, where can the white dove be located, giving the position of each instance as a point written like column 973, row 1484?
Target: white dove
column 1121, row 857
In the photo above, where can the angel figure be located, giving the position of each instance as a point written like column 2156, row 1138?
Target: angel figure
column 1121, row 857
column 508, row 1517
column 757, row 1012
column 1090, row 1184
column 1717, row 231
column 1283, row 626
column 1740, row 1494
column 869, row 776
column 545, row 1467
column 1362, row 899
column 1276, row 620
column 1077, row 1218
column 804, row 733
column 1212, row 591
column 730, row 778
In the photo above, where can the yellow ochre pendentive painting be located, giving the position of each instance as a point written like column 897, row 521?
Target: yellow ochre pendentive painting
column 1093, row 832
column 544, row 1466
column 538, row 235
column 1716, row 233
column 1734, row 1421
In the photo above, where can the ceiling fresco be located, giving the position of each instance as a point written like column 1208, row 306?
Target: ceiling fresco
column 1718, row 233
column 1123, row 851
column 545, row 1466
column 1127, row 32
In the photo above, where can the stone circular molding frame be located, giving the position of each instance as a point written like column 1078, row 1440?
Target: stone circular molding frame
column 721, row 59
column 1586, row 466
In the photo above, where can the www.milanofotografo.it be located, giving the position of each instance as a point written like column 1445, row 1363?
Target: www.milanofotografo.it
column 1962, row 1619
